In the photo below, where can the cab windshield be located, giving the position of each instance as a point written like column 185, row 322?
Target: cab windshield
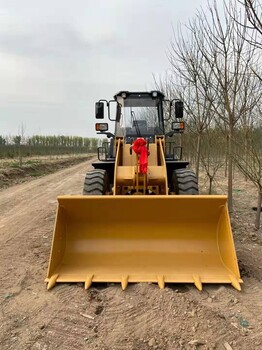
column 140, row 118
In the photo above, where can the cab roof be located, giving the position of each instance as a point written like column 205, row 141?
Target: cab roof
column 143, row 94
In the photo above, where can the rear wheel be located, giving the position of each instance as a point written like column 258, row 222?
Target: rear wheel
column 184, row 182
column 96, row 183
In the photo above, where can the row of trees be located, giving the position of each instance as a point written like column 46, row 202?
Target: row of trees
column 20, row 146
column 215, row 68
column 213, row 155
column 40, row 140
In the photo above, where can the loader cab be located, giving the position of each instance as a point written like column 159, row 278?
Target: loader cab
column 139, row 114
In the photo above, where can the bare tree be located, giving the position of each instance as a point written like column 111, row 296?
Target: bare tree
column 248, row 14
column 183, row 82
column 251, row 167
column 21, row 137
column 226, row 54
column 213, row 154
column 186, row 62
column 214, row 70
column 252, row 19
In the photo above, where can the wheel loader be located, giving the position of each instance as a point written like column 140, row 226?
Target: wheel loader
column 140, row 218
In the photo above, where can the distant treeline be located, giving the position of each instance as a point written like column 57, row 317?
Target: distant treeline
column 38, row 145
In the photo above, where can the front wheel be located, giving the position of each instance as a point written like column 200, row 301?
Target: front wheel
column 184, row 182
column 96, row 183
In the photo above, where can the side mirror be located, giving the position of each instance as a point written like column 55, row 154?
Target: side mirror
column 99, row 110
column 178, row 127
column 179, row 109
column 101, row 126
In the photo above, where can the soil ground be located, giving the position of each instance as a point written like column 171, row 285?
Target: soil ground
column 105, row 317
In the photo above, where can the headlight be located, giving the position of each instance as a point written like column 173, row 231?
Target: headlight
column 101, row 126
column 178, row 126
column 154, row 94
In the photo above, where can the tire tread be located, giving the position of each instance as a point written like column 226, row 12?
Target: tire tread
column 96, row 182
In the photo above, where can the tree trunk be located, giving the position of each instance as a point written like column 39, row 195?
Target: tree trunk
column 198, row 154
column 246, row 151
column 226, row 162
column 20, row 156
column 259, row 204
column 230, row 170
column 210, row 185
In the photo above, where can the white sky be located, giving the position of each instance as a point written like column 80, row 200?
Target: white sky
column 58, row 57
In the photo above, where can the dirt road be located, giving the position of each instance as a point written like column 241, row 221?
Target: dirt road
column 105, row 317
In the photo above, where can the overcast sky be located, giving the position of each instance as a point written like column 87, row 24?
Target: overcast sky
column 57, row 57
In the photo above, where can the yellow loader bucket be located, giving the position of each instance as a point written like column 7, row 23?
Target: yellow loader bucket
column 162, row 239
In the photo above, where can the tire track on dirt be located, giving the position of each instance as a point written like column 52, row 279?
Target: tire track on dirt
column 38, row 187
column 30, row 200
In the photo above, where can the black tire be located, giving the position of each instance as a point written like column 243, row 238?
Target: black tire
column 96, row 183
column 184, row 182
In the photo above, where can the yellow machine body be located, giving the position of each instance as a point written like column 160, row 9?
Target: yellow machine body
column 142, row 231
column 127, row 173
column 147, row 238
